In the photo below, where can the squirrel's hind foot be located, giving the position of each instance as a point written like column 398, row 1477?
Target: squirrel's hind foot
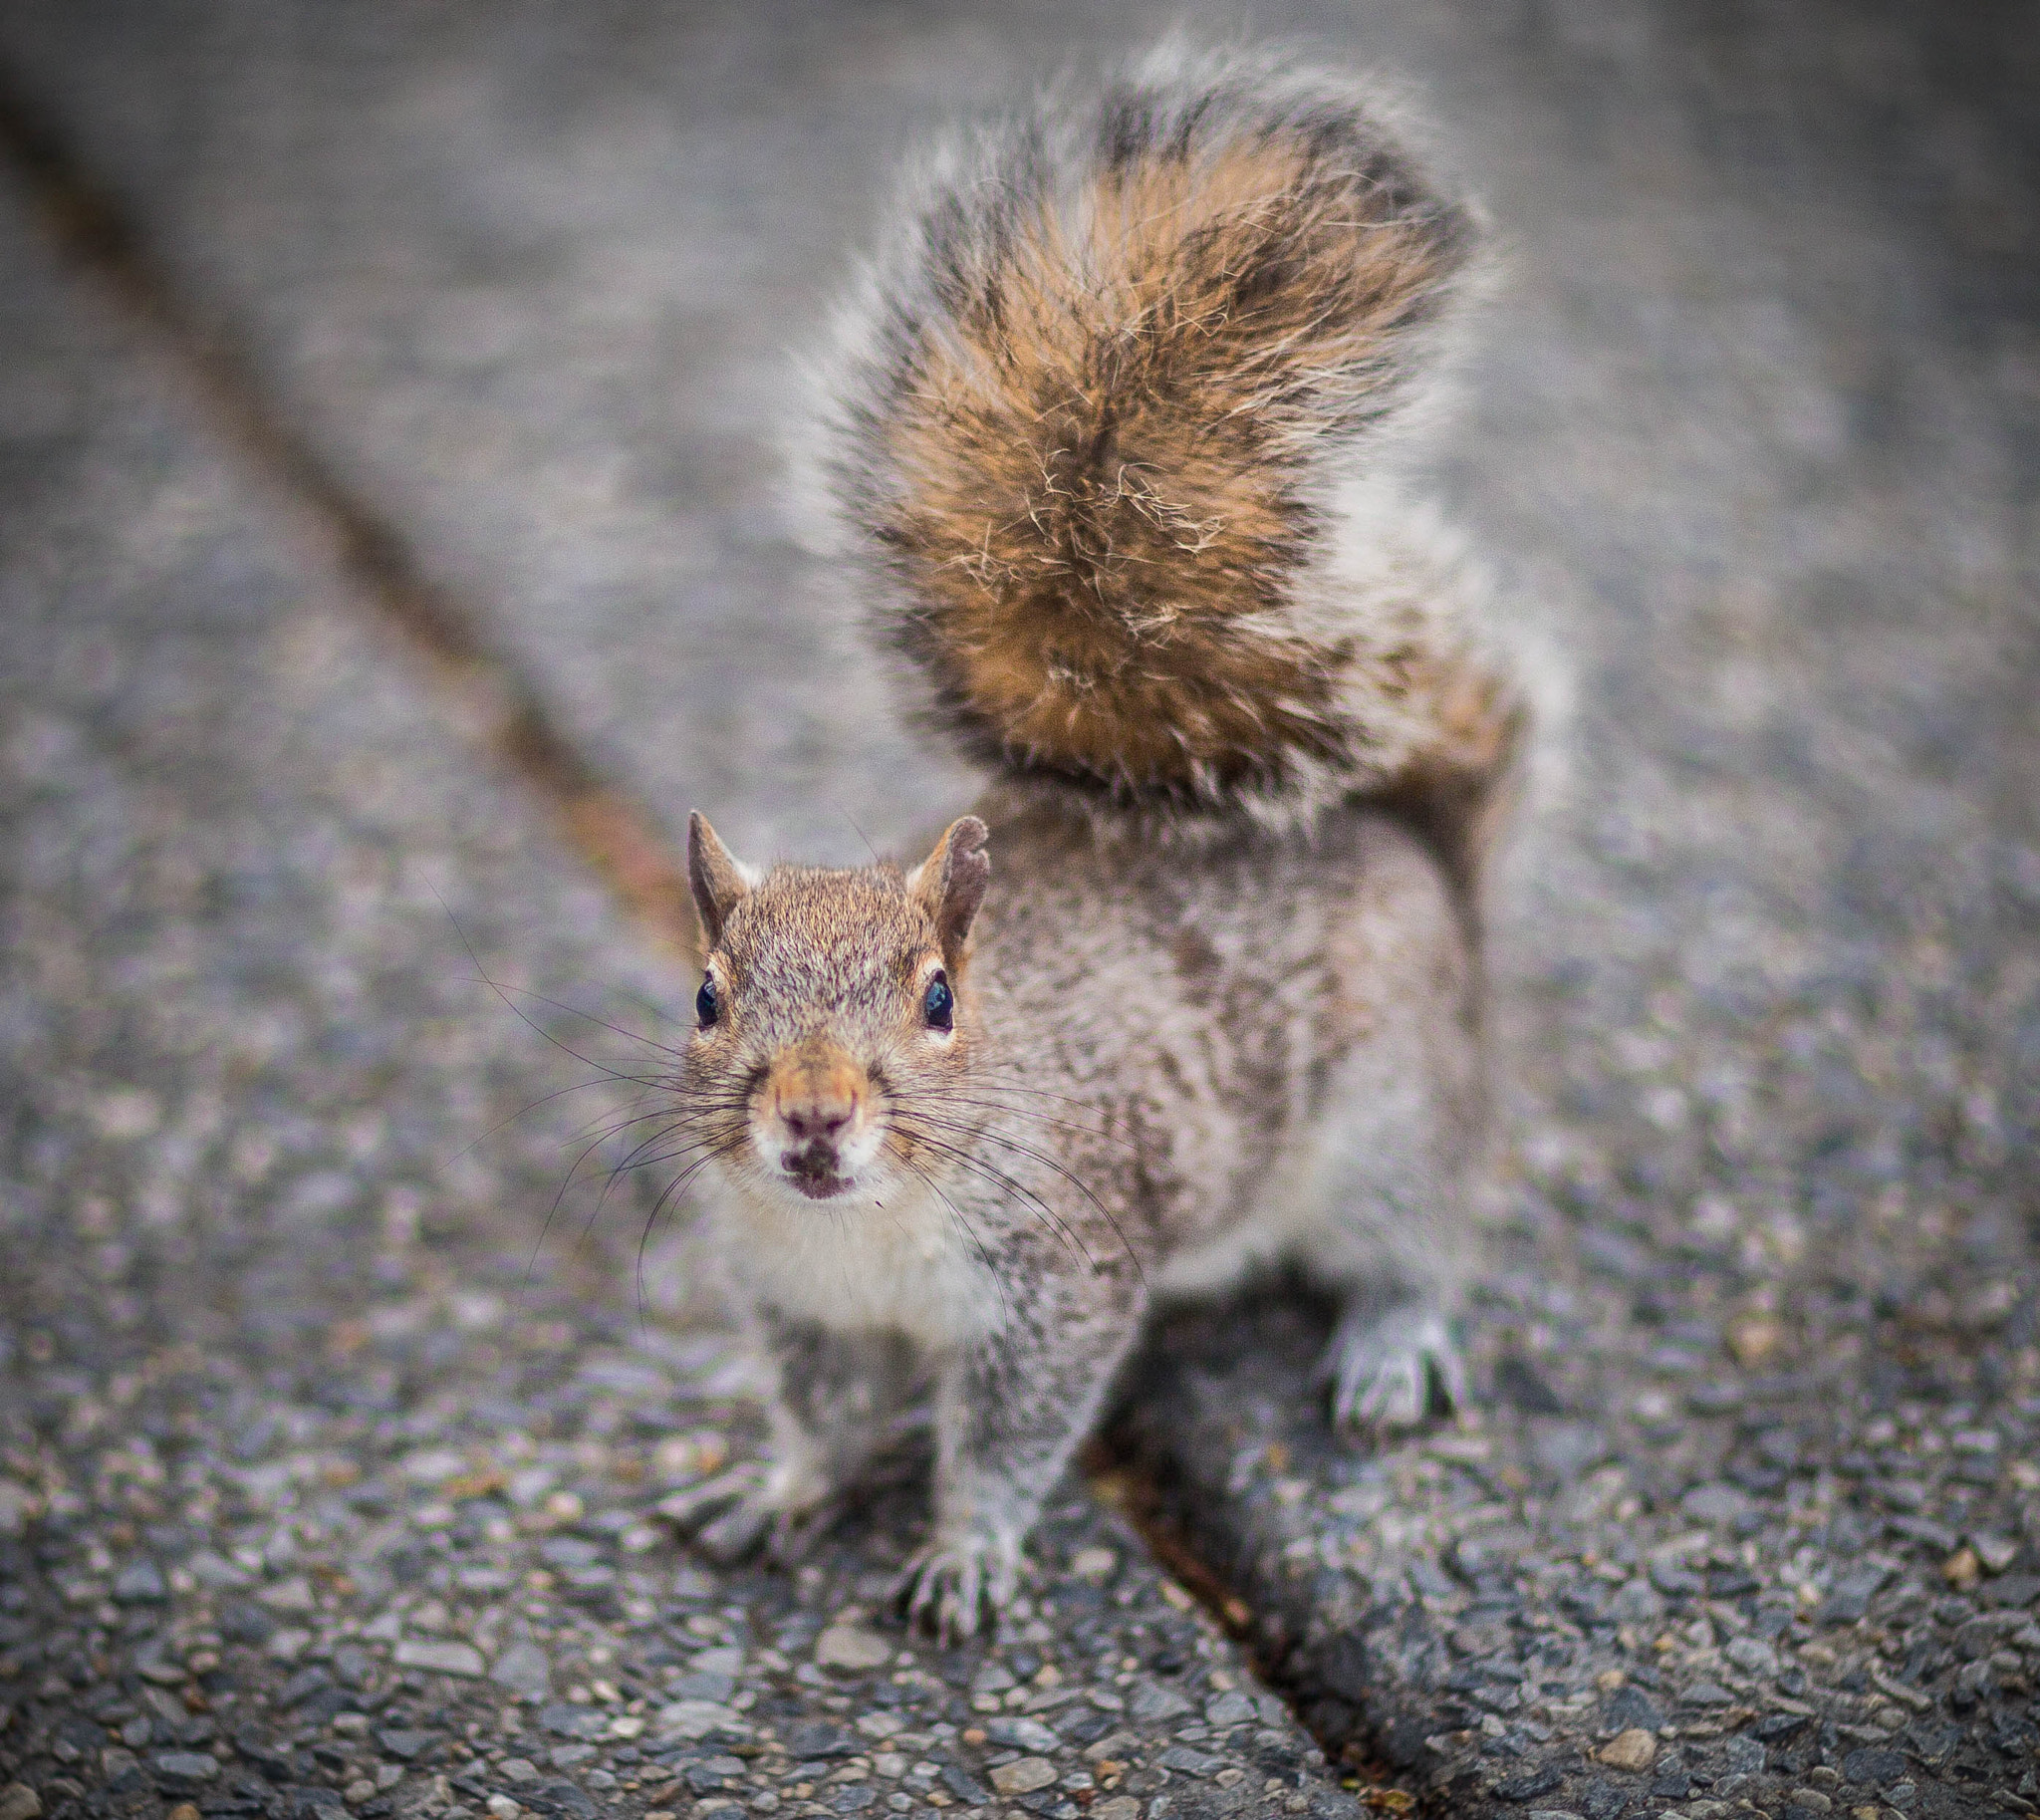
column 956, row 1587
column 1392, row 1372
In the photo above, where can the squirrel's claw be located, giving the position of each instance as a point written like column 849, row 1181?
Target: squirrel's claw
column 1394, row 1372
column 952, row 1589
column 689, row 1508
column 743, row 1511
column 727, row 1514
column 794, row 1533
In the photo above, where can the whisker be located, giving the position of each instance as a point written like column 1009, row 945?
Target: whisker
column 544, row 1098
column 1006, row 1083
column 990, row 1172
column 552, row 1212
column 956, row 1214
column 631, row 1166
column 516, row 1011
column 652, row 1219
column 559, row 1198
column 952, row 1097
column 587, row 1017
column 1067, row 1175
column 615, row 1170
column 621, row 1126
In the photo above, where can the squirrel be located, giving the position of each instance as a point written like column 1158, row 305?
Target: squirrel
column 1110, row 428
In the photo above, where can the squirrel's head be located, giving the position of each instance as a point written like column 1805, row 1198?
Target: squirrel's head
column 830, row 1000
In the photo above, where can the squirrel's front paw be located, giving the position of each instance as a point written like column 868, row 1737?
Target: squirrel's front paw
column 727, row 1514
column 957, row 1583
column 1393, row 1373
column 746, row 1510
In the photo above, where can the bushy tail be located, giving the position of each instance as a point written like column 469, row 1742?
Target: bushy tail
column 1106, row 411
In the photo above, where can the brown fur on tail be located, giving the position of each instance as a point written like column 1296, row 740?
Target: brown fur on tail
column 1101, row 411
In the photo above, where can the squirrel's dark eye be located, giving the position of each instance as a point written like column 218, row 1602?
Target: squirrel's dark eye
column 939, row 1005
column 707, row 1005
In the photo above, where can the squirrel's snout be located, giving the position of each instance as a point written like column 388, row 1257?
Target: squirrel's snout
column 811, row 1121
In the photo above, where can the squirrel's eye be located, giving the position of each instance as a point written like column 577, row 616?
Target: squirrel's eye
column 706, row 1005
column 939, row 1005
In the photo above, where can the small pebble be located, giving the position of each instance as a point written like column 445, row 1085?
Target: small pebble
column 848, row 1646
column 441, row 1656
column 1633, row 1750
column 1995, row 1552
column 1023, row 1776
column 1754, row 1340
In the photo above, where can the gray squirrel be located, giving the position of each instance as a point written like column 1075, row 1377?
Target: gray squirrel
column 1110, row 433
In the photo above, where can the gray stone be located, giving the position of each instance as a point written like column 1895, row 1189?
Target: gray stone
column 440, row 1655
column 819, row 1738
column 1024, row 1775
column 141, row 1582
column 1852, row 1591
column 960, row 1783
column 177, row 1771
column 1752, row 1655
column 1872, row 1767
column 1186, row 1761
column 2013, row 1592
column 1233, row 1708
column 1745, row 1757
column 1630, row 1707
column 1151, row 1704
column 1565, row 1449
column 1023, row 1734
column 846, row 1645
column 523, row 1668
column 1715, row 1503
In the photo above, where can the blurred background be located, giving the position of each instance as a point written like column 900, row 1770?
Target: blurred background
column 394, row 546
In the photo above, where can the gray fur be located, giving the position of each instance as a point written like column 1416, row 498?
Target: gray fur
column 1176, row 1073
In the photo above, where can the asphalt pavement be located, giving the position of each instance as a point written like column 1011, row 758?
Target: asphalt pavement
column 366, row 369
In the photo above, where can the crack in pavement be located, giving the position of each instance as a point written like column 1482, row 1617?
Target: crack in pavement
column 488, row 697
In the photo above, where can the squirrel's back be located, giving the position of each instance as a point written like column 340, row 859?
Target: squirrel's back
column 1110, row 420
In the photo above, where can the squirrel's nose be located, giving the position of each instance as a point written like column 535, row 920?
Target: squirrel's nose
column 815, row 1093
column 817, row 1118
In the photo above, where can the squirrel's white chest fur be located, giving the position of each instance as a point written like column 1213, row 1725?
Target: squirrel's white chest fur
column 902, row 1265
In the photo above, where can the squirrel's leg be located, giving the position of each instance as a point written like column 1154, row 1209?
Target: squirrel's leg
column 837, row 1398
column 1009, row 1413
column 1396, row 1237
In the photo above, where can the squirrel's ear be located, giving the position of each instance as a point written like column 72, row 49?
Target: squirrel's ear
column 715, row 875
column 951, row 882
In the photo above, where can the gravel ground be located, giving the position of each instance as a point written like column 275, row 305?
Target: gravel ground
column 330, row 1482
column 1748, row 1518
